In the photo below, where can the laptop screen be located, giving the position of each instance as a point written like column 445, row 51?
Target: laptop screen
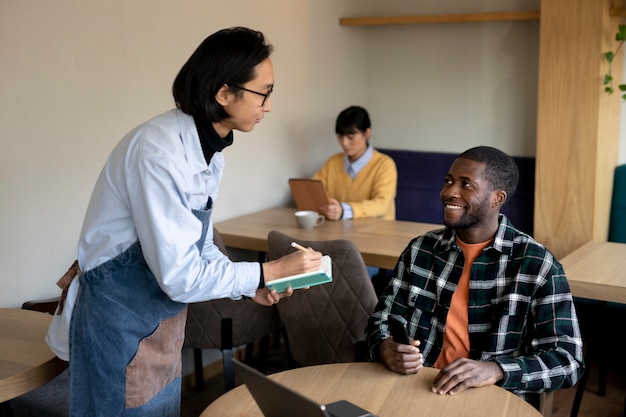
column 277, row 400
column 274, row 399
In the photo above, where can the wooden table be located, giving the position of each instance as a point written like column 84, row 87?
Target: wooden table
column 26, row 361
column 380, row 241
column 377, row 389
column 597, row 270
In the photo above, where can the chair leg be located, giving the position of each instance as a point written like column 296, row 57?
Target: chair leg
column 5, row 409
column 580, row 389
column 249, row 355
column 227, row 353
column 603, row 342
column 199, row 371
column 546, row 404
column 291, row 362
column 264, row 351
column 596, row 341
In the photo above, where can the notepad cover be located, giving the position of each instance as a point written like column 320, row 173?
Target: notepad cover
column 309, row 279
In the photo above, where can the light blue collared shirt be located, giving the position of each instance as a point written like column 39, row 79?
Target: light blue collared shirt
column 146, row 191
column 353, row 169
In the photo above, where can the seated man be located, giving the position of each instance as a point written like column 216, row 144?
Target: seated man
column 484, row 302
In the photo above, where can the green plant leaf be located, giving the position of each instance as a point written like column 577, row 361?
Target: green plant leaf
column 621, row 34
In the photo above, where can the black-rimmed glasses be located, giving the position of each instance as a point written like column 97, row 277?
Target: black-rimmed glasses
column 264, row 95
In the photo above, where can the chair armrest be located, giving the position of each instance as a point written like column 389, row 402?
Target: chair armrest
column 45, row 306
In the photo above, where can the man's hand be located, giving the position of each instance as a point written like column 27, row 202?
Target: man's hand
column 466, row 373
column 403, row 359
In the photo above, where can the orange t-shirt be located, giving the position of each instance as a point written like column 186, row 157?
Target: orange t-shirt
column 456, row 342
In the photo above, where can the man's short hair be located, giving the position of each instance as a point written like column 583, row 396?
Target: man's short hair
column 501, row 170
column 226, row 57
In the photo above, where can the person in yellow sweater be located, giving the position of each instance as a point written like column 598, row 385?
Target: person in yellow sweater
column 360, row 181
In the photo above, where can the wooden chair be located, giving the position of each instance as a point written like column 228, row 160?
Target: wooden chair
column 326, row 323
column 53, row 398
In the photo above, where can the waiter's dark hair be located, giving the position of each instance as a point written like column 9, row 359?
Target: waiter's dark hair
column 225, row 57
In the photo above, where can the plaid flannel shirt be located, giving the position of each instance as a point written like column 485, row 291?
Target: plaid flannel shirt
column 520, row 308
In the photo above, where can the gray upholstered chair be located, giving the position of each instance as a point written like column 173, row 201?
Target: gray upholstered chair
column 326, row 323
column 224, row 323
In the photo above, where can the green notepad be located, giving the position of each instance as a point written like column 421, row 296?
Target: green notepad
column 323, row 276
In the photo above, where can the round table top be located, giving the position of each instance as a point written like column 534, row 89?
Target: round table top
column 26, row 361
column 380, row 391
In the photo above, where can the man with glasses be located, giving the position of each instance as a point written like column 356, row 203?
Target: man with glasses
column 146, row 247
column 264, row 95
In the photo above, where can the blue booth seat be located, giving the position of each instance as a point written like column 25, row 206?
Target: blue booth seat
column 420, row 178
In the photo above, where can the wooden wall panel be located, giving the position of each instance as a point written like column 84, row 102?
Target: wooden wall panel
column 577, row 124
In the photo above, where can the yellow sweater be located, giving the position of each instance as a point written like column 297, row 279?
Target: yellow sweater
column 373, row 191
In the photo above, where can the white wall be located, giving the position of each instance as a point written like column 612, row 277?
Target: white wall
column 75, row 76
column 460, row 84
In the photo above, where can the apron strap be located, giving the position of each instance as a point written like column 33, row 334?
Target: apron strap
column 64, row 283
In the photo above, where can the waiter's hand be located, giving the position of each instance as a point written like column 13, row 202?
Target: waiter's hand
column 466, row 373
column 333, row 211
column 267, row 298
column 403, row 359
column 297, row 262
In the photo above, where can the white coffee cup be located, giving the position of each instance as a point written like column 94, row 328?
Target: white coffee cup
column 308, row 219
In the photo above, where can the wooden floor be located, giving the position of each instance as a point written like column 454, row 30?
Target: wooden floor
column 194, row 402
column 611, row 405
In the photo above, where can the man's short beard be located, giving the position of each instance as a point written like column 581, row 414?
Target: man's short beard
column 465, row 222
column 469, row 220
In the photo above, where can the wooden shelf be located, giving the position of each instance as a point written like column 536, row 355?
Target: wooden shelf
column 451, row 18
column 440, row 18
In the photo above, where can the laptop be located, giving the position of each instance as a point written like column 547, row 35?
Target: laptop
column 276, row 400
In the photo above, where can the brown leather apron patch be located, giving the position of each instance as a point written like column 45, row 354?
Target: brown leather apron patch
column 157, row 361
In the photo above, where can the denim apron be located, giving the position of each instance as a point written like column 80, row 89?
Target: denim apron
column 126, row 338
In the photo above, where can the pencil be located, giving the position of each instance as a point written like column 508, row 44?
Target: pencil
column 299, row 247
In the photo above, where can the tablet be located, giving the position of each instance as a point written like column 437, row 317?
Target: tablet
column 309, row 279
column 308, row 194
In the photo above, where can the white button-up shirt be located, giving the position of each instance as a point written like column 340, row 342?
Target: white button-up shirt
column 146, row 191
